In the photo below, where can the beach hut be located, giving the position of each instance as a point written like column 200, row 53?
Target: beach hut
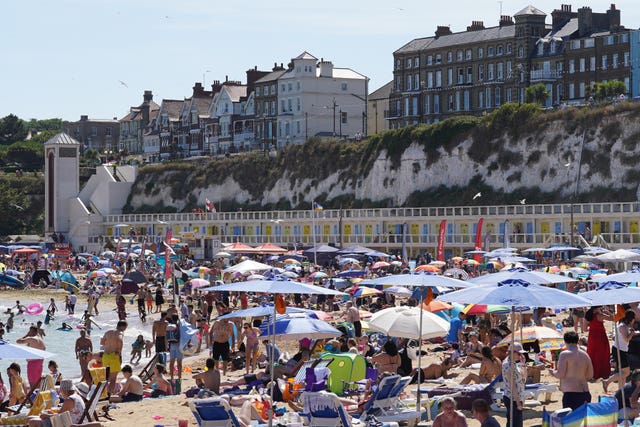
column 346, row 367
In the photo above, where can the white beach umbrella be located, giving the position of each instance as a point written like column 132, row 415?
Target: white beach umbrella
column 406, row 322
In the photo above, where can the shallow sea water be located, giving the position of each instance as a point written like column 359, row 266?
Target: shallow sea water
column 62, row 343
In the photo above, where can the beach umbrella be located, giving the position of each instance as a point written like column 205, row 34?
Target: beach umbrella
column 536, row 249
column 398, row 290
column 248, row 265
column 96, row 274
column 471, row 262
column 516, row 293
column 222, row 254
column 136, row 276
column 418, row 279
column 107, row 270
column 351, row 273
column 485, row 309
column 199, row 283
column 363, row 292
column 290, row 274
column 291, row 261
column 17, row 351
column 380, row 264
column 549, row 339
column 296, row 326
column 348, row 260
column 621, row 255
column 630, row 276
column 318, row 275
column 355, row 249
column 259, row 311
column 377, row 254
column 408, row 322
column 255, row 277
column 435, row 306
column 64, row 276
column 457, row 273
column 533, row 277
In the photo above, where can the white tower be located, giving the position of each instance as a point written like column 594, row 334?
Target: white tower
column 62, row 183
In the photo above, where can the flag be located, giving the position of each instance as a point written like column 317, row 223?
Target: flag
column 478, row 246
column 142, row 255
column 317, row 206
column 167, row 254
column 440, row 249
column 210, row 207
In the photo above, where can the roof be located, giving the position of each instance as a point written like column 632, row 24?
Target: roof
column 530, row 10
column 61, row 139
column 235, row 92
column 201, row 103
column 461, row 38
column 271, row 77
column 343, row 73
column 306, row 55
column 172, row 107
column 566, row 30
column 382, row 92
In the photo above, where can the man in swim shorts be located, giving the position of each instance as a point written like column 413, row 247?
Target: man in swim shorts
column 34, row 366
column 159, row 332
column 112, row 342
column 221, row 333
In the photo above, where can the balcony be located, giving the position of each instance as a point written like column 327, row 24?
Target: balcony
column 545, row 75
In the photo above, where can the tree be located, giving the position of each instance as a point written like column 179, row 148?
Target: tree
column 537, row 93
column 12, row 129
column 48, row 124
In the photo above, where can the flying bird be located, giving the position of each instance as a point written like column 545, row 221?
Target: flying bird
column 277, row 221
column 477, row 195
column 523, row 201
column 566, row 165
column 123, row 83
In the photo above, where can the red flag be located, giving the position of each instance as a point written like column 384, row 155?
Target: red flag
column 167, row 254
column 209, row 205
column 478, row 246
column 440, row 251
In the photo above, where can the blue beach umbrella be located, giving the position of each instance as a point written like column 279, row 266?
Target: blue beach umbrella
column 258, row 311
column 531, row 277
column 297, row 326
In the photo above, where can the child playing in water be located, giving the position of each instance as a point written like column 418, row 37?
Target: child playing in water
column 136, row 348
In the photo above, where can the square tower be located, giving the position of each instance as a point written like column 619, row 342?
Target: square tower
column 61, row 183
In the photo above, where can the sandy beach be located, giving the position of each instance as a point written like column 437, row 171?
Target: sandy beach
column 168, row 410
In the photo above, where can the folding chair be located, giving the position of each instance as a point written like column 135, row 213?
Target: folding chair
column 359, row 388
column 26, row 401
column 385, row 403
column 324, row 409
column 91, row 402
column 99, row 375
column 213, row 412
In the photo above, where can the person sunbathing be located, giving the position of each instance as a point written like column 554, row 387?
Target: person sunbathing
column 473, row 350
column 436, row 370
column 490, row 367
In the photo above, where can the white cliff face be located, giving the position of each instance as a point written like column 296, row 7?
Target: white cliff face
column 548, row 161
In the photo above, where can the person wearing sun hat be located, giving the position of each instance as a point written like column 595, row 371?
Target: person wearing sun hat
column 73, row 404
column 514, row 377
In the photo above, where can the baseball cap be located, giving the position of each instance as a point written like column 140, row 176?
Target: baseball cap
column 517, row 348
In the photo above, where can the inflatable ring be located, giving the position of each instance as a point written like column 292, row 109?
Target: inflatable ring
column 34, row 309
column 93, row 363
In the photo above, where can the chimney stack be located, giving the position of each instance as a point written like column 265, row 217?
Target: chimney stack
column 443, row 30
column 614, row 18
column 475, row 26
column 84, row 118
column 506, row 20
column 148, row 96
column 585, row 21
column 561, row 16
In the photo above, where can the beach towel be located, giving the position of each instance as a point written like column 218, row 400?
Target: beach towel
column 98, row 375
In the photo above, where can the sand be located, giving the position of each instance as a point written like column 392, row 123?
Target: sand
column 167, row 411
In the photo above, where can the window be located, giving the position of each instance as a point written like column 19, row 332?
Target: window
column 343, row 117
column 509, row 49
column 107, row 131
column 436, row 104
column 272, row 108
column 430, row 60
column 572, row 93
column 540, row 49
column 467, row 55
column 626, row 83
column 490, row 51
column 438, row 59
column 409, row 84
column 297, row 85
column 398, row 83
column 449, row 56
column 397, row 64
column 438, row 78
column 427, row 104
column 466, row 101
column 459, row 55
column 488, row 96
column 480, row 72
column 480, row 52
column 499, row 50
column 604, row 62
column 520, row 52
column 498, row 94
column 592, row 63
column 289, row 106
column 450, row 103
column 94, row 131
column 450, row 76
column 582, row 65
column 626, row 59
column 590, row 42
column 282, row 106
column 416, row 81
column 416, row 62
column 460, row 76
column 572, row 66
column 469, row 75
column 409, row 62
column 289, row 87
column 509, row 68
column 298, row 127
column 414, row 105
column 298, row 104
column 283, row 88
column 490, row 72
column 480, row 99
column 273, row 89
column 614, row 60
column 430, row 79
column 581, row 89
column 258, row 90
column 609, row 40
column 575, row 44
column 624, row 38
column 500, row 71
column 508, row 95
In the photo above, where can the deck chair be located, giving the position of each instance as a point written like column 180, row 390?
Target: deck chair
column 91, row 402
column 324, row 409
column 359, row 388
column 147, row 372
column 45, row 399
column 27, row 400
column 464, row 395
column 99, row 375
column 387, row 406
column 213, row 412
column 61, row 420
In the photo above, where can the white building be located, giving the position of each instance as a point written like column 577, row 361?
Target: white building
column 317, row 99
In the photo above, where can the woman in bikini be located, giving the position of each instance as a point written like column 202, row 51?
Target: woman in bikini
column 251, row 346
column 160, row 385
column 490, row 367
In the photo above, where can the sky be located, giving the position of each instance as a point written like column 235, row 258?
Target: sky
column 66, row 58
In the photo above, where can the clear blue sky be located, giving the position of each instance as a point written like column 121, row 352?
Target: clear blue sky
column 64, row 58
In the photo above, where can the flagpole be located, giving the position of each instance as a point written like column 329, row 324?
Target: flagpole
column 313, row 219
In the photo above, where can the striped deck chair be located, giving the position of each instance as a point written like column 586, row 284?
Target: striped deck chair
column 601, row 414
column 91, row 402
column 99, row 375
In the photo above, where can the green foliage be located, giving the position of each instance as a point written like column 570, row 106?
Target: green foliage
column 12, row 129
column 47, row 124
column 603, row 91
column 22, row 204
column 537, row 93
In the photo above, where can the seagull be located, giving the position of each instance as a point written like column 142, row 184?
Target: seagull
column 477, row 195
column 20, row 208
column 277, row 221
column 566, row 165
column 523, row 201
column 123, row 83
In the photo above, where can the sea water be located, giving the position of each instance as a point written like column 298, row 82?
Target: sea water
column 63, row 343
